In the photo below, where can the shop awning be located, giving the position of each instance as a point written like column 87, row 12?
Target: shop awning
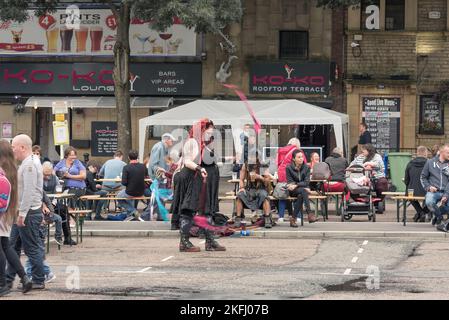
column 99, row 102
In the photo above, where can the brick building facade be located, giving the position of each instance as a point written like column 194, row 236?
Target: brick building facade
column 309, row 41
column 403, row 62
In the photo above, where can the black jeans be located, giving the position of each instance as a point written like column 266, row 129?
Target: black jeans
column 418, row 208
column 29, row 235
column 302, row 197
column 7, row 254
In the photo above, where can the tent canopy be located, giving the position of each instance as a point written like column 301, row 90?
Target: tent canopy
column 234, row 113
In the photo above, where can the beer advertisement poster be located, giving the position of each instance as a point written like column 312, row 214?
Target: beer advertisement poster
column 93, row 33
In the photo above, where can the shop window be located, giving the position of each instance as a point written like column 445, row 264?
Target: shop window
column 394, row 14
column 369, row 21
column 294, row 45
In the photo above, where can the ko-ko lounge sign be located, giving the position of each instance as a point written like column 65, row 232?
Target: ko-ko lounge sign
column 289, row 78
column 96, row 78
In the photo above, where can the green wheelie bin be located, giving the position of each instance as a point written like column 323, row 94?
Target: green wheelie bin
column 398, row 162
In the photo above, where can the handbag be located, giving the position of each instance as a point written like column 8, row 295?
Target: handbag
column 281, row 191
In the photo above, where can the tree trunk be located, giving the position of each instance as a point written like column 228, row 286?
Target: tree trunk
column 121, row 79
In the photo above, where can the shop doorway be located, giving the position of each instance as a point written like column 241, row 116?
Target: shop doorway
column 314, row 136
column 44, row 133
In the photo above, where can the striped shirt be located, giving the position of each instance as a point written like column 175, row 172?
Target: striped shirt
column 378, row 171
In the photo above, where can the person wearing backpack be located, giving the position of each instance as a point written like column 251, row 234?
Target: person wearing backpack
column 298, row 179
column 337, row 165
column 8, row 213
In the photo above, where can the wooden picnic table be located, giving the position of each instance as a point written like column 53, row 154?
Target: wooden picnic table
column 405, row 199
column 61, row 199
column 59, row 196
column 117, row 180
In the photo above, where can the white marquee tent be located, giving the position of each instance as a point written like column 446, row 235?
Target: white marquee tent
column 235, row 114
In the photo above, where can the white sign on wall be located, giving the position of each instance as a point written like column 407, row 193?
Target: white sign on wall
column 91, row 32
column 373, row 20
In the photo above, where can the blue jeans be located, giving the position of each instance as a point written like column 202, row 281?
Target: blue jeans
column 30, row 237
column 99, row 204
column 432, row 198
column 128, row 205
column 58, row 226
column 47, row 269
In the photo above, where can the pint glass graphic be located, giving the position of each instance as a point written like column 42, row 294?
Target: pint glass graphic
column 52, row 39
column 81, row 39
column 96, row 34
column 66, row 39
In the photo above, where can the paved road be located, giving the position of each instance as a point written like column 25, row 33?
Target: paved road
column 251, row 268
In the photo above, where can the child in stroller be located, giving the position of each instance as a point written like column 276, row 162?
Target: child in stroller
column 360, row 184
column 369, row 159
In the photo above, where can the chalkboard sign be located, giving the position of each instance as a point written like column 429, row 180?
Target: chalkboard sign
column 104, row 138
column 382, row 116
column 431, row 120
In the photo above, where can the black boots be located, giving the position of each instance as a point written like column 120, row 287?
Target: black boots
column 268, row 223
column 27, row 285
column 186, row 246
column 211, row 244
column 237, row 222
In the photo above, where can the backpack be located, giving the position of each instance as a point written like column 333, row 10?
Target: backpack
column 5, row 192
column 281, row 191
column 321, row 171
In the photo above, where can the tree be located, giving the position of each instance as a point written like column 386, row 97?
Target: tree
column 205, row 16
column 333, row 4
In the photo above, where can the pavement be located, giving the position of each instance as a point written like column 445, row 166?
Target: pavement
column 281, row 231
column 386, row 225
column 351, row 260
column 251, row 269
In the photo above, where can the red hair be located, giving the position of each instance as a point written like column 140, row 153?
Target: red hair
column 197, row 132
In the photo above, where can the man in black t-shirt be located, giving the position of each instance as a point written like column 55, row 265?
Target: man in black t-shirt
column 133, row 178
column 365, row 136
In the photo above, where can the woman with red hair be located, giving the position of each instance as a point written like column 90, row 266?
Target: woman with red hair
column 190, row 192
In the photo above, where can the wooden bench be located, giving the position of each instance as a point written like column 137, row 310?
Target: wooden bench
column 405, row 199
column 79, row 216
column 313, row 197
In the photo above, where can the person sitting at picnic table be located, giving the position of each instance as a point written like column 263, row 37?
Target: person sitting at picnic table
column 298, row 179
column 412, row 180
column 253, row 193
column 133, row 178
column 74, row 174
column 284, row 158
column 314, row 159
column 337, row 164
column 435, row 179
column 112, row 169
column 92, row 188
column 371, row 160
column 52, row 186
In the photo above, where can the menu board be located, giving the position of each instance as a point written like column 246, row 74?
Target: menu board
column 104, row 138
column 431, row 120
column 382, row 116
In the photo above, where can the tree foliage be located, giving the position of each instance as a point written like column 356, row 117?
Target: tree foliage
column 333, row 4
column 206, row 16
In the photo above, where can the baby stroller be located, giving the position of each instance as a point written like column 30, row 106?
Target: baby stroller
column 360, row 185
